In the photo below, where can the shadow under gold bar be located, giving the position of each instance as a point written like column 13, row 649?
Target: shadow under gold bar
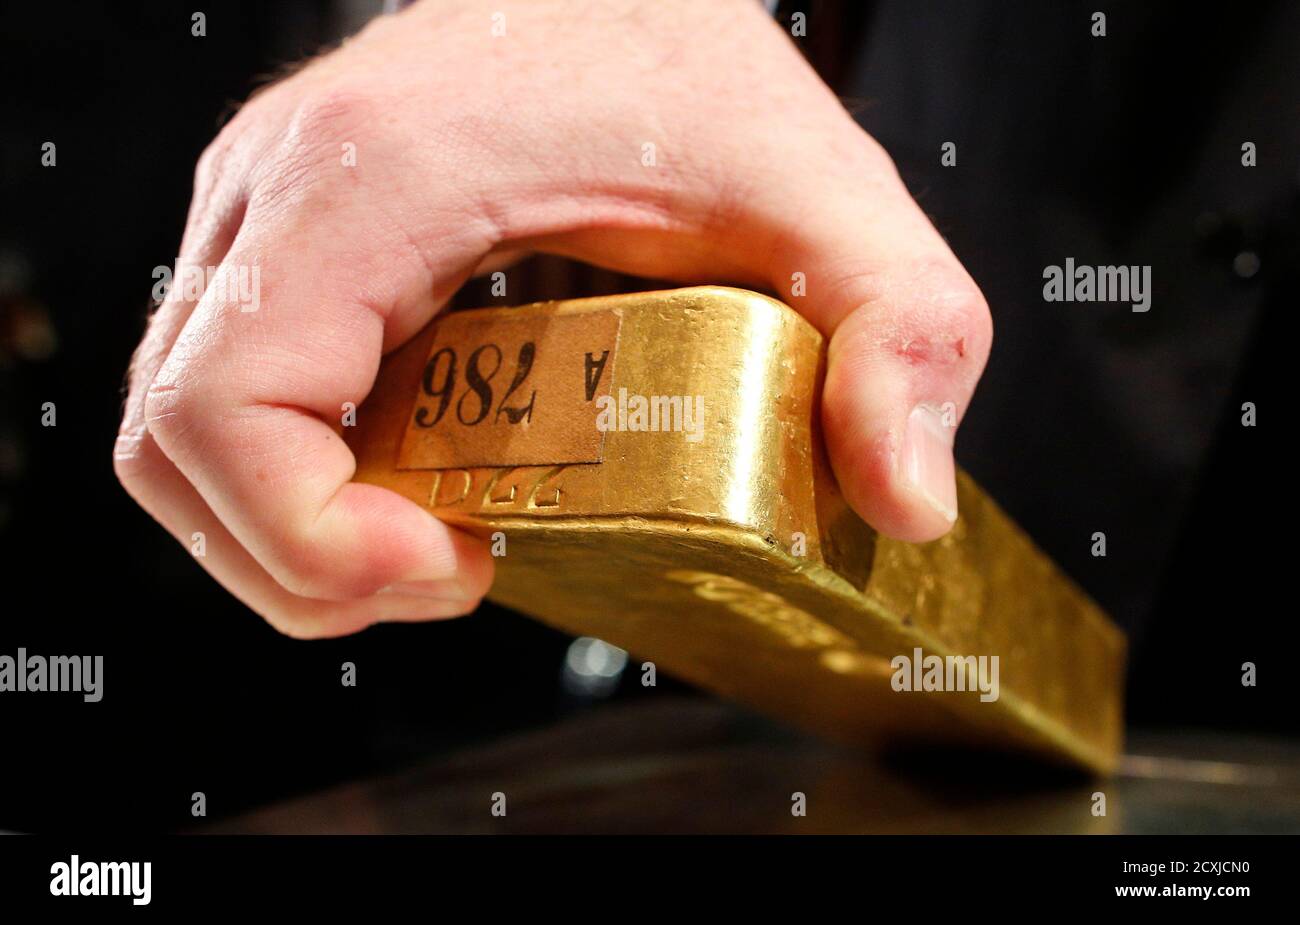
column 717, row 544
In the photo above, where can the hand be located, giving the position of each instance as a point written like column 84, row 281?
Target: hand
column 468, row 147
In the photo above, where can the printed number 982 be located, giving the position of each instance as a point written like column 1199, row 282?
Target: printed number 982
column 475, row 402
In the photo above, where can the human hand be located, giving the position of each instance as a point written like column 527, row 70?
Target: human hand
column 668, row 139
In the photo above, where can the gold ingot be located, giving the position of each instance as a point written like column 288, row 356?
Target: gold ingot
column 717, row 544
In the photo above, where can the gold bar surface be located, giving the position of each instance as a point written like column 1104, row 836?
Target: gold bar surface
column 726, row 555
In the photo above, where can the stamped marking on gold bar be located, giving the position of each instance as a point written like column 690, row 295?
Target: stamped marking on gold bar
column 507, row 490
column 502, row 391
column 797, row 627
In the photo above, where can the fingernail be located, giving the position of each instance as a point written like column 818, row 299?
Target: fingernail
column 926, row 460
column 447, row 589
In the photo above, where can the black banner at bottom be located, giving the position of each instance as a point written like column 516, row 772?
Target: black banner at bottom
column 233, row 873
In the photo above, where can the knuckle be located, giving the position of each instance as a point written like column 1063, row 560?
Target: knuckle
column 323, row 113
column 301, row 570
column 208, row 168
column 979, row 339
column 133, row 462
column 306, row 568
column 968, row 301
column 169, row 411
column 324, row 119
column 317, row 128
column 921, row 323
column 964, row 309
column 946, row 323
column 214, row 162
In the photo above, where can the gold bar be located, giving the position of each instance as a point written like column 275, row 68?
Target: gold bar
column 683, row 544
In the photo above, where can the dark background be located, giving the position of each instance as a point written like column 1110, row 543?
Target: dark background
column 1117, row 150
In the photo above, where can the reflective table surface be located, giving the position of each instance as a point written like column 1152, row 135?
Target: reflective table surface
column 693, row 765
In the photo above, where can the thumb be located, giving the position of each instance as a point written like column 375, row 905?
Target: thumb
column 909, row 336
